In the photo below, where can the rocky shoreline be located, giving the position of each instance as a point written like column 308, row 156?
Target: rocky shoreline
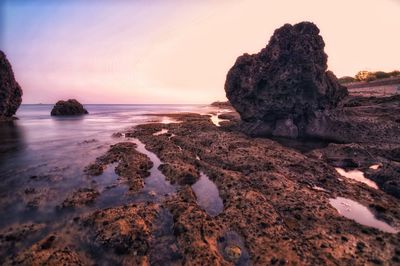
column 296, row 173
column 276, row 204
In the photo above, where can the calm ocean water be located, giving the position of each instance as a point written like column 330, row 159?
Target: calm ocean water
column 48, row 154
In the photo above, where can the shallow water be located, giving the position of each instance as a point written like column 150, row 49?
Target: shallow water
column 164, row 249
column 156, row 183
column 319, row 188
column 216, row 120
column 207, row 195
column 359, row 213
column 358, row 176
column 112, row 192
column 231, row 240
column 161, row 132
column 42, row 158
column 375, row 166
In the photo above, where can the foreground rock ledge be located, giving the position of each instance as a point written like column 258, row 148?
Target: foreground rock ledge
column 270, row 200
column 70, row 107
column 276, row 205
column 10, row 91
column 282, row 88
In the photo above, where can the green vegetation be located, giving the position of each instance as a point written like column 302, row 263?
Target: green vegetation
column 369, row 76
column 346, row 79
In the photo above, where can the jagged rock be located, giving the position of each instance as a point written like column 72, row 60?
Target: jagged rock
column 70, row 107
column 278, row 90
column 10, row 91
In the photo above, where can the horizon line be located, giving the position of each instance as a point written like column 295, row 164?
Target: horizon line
column 126, row 103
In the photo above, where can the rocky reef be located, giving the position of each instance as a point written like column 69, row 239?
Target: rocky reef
column 69, row 107
column 280, row 90
column 10, row 91
column 276, row 200
column 276, row 204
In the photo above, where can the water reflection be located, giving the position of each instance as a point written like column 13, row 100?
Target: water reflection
column 161, row 132
column 319, row 188
column 375, row 166
column 11, row 138
column 156, row 183
column 216, row 120
column 207, row 195
column 359, row 213
column 358, row 176
column 112, row 192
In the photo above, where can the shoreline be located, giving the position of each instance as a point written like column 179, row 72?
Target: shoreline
column 276, row 201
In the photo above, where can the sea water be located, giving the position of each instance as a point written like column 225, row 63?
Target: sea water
column 41, row 153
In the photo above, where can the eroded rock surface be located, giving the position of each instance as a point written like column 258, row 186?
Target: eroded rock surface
column 270, row 201
column 10, row 91
column 125, row 230
column 359, row 120
column 132, row 167
column 80, row 197
column 198, row 238
column 51, row 250
column 11, row 239
column 361, row 156
column 276, row 205
column 278, row 90
column 69, row 107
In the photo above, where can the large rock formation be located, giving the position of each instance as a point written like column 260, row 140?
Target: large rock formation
column 70, row 107
column 10, row 91
column 286, row 85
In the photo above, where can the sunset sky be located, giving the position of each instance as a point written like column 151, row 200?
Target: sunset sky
column 167, row 51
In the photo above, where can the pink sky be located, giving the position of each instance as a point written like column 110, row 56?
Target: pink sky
column 173, row 51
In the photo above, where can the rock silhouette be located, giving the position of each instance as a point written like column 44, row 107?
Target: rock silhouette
column 70, row 107
column 280, row 89
column 10, row 91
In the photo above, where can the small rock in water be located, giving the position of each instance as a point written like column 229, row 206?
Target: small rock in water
column 69, row 107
